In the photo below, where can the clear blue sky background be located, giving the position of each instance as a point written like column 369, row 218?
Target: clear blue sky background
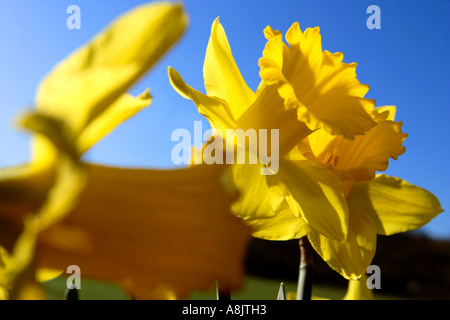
column 406, row 64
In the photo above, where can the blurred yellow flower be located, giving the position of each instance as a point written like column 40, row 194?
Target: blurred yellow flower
column 303, row 89
column 143, row 229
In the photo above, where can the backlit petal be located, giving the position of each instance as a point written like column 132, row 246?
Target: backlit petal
column 324, row 91
column 394, row 204
column 222, row 76
column 268, row 113
column 351, row 258
column 284, row 226
column 214, row 109
column 359, row 159
column 255, row 201
column 314, row 195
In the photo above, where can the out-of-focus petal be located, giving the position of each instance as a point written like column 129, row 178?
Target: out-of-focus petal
column 123, row 108
column 90, row 80
column 127, row 228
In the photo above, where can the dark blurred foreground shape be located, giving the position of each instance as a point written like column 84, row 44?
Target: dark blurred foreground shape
column 412, row 265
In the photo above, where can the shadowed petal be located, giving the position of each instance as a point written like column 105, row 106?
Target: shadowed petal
column 127, row 228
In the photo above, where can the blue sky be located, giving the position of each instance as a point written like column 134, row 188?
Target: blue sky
column 405, row 63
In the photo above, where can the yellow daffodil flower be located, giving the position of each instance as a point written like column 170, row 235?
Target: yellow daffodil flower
column 303, row 89
column 153, row 232
column 378, row 204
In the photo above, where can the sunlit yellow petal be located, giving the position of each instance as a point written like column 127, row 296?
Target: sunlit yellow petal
column 136, row 235
column 284, row 226
column 268, row 113
column 323, row 90
column 359, row 159
column 214, row 109
column 394, row 204
column 314, row 195
column 269, row 33
column 351, row 258
column 222, row 76
column 387, row 112
column 257, row 201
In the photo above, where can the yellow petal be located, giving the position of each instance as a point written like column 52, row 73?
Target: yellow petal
column 256, row 200
column 351, row 258
column 50, row 135
column 358, row 290
column 387, row 112
column 123, row 108
column 45, row 274
column 315, row 196
column 5, row 281
column 85, row 84
column 268, row 113
column 34, row 198
column 214, row 109
column 283, row 226
column 17, row 277
column 135, row 234
column 22, row 190
column 69, row 176
column 222, row 76
column 323, row 90
column 393, row 204
column 269, row 33
column 359, row 159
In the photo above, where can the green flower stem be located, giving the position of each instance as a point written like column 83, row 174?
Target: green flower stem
column 304, row 289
